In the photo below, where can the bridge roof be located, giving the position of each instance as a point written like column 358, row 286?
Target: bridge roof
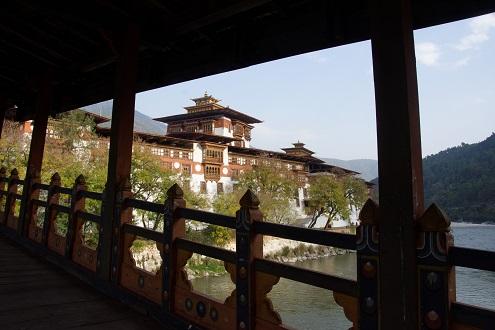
column 180, row 40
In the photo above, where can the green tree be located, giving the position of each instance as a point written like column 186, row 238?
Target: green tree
column 355, row 191
column 327, row 197
column 13, row 151
column 150, row 180
column 274, row 187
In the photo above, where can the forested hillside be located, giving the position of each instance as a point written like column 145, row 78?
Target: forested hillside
column 462, row 181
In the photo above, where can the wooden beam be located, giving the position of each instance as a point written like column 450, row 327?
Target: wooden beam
column 121, row 137
column 43, row 110
column 37, row 148
column 399, row 160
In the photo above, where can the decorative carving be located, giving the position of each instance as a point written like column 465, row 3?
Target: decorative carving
column 138, row 280
column 182, row 279
column 11, row 219
column 364, row 310
column 54, row 241
column 350, row 306
column 35, row 231
column 264, row 306
column 436, row 277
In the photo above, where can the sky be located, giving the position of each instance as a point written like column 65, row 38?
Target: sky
column 326, row 98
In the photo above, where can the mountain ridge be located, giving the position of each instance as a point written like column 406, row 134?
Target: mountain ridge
column 368, row 168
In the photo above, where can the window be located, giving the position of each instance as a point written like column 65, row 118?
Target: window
column 213, row 155
column 212, row 172
column 219, row 188
column 207, row 128
column 158, row 151
column 186, row 169
column 202, row 188
column 235, row 173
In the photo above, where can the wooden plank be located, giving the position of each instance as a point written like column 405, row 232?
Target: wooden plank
column 399, row 160
column 34, row 295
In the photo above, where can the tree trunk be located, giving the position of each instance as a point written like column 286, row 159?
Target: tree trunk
column 315, row 217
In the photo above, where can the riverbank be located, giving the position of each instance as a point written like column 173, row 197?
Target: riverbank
column 147, row 256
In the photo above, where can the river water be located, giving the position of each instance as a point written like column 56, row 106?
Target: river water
column 305, row 307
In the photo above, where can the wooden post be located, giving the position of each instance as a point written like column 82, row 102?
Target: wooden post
column 436, row 277
column 33, row 231
column 399, row 160
column 173, row 227
column 51, row 199
column 124, row 215
column 368, row 266
column 76, row 204
column 36, row 150
column 121, row 137
column 248, row 247
column 11, row 199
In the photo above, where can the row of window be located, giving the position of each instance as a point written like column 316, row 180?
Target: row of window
column 202, row 128
column 171, row 153
column 214, row 154
column 234, row 160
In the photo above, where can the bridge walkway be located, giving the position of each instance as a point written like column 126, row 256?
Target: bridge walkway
column 37, row 295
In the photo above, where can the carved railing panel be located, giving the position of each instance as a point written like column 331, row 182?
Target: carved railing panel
column 436, row 278
column 82, row 254
column 12, row 204
column 138, row 280
column 35, row 214
column 54, row 241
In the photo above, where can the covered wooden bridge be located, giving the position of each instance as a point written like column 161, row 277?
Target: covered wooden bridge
column 56, row 58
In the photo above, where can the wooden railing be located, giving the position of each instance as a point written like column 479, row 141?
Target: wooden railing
column 169, row 296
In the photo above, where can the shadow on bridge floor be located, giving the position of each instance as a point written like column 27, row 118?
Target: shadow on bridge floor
column 37, row 295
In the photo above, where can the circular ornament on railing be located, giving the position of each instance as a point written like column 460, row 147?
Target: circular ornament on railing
column 432, row 281
column 433, row 320
column 369, row 305
column 189, row 304
column 243, row 272
column 141, row 281
column 201, row 309
column 213, row 314
column 369, row 271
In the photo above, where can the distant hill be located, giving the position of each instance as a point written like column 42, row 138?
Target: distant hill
column 367, row 167
column 142, row 122
column 461, row 180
